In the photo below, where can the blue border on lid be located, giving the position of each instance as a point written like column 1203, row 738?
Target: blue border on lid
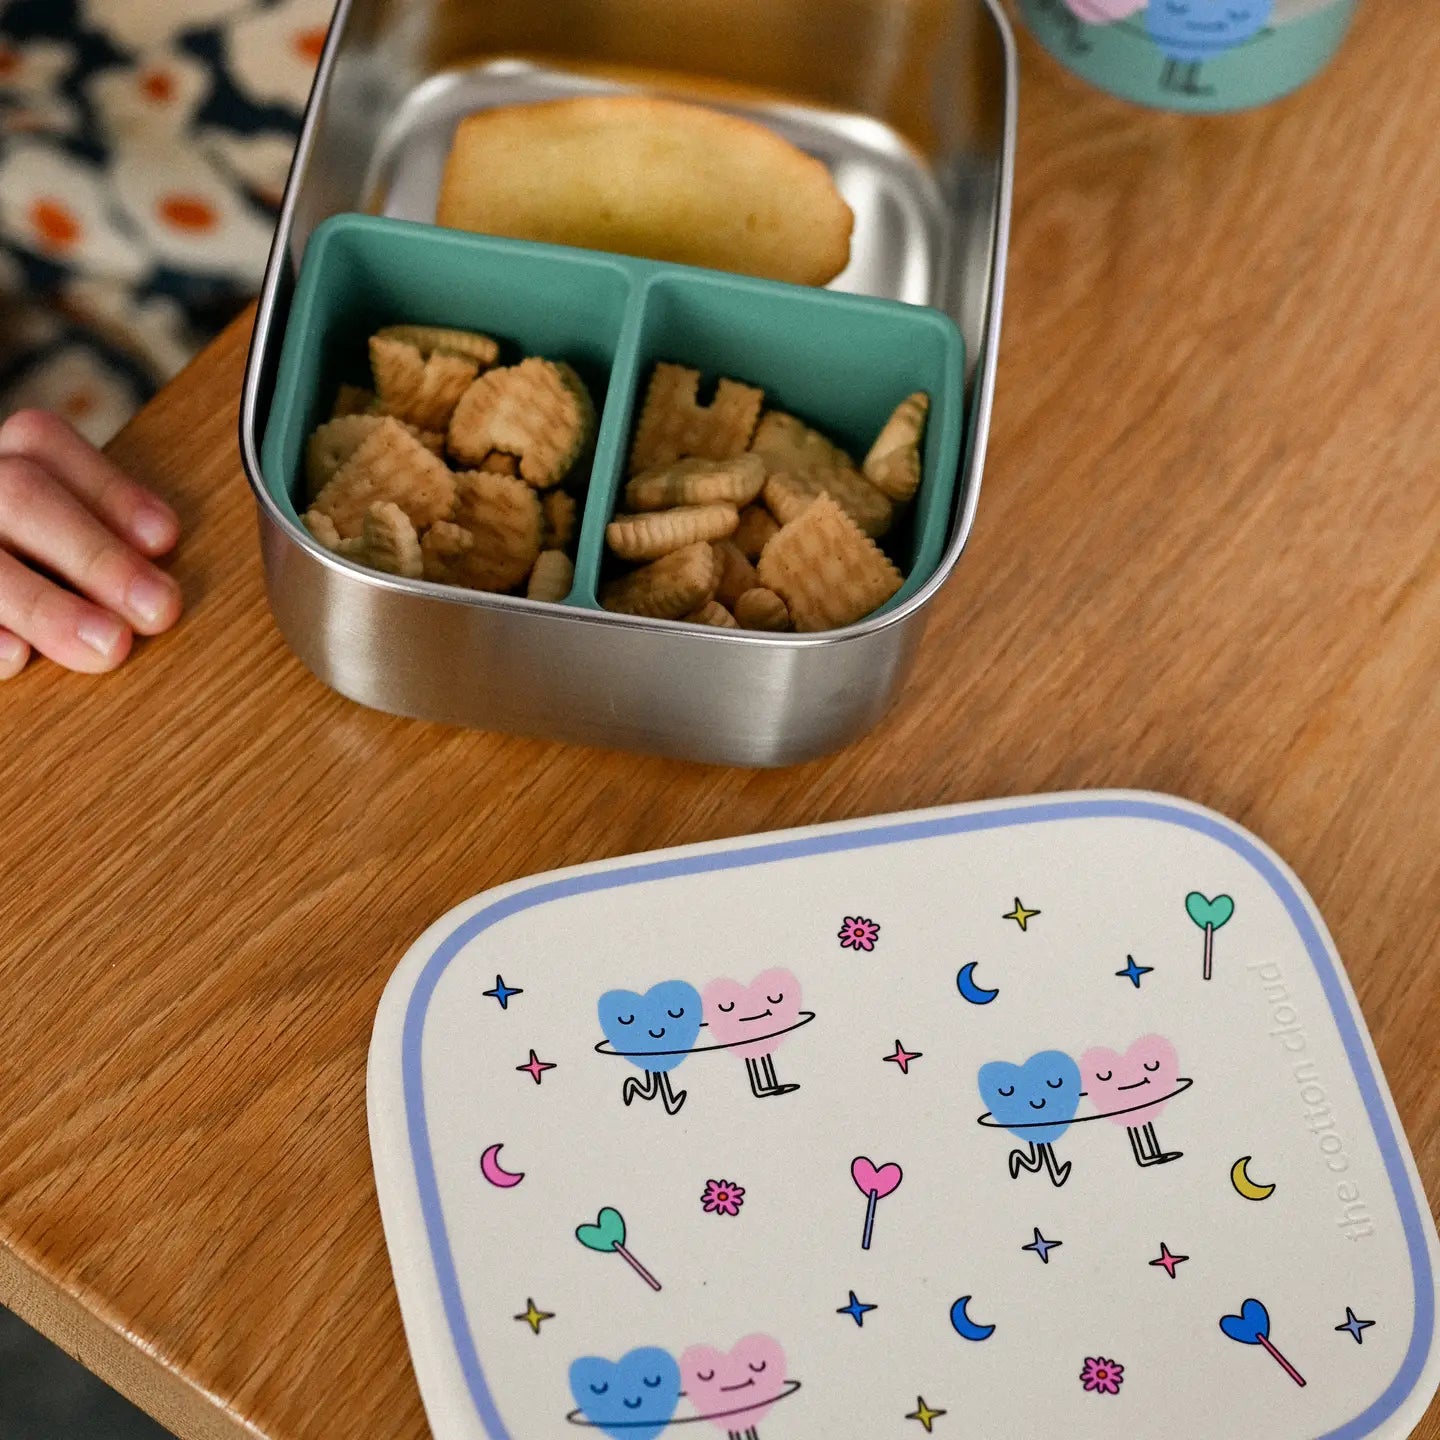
column 1395, row 1394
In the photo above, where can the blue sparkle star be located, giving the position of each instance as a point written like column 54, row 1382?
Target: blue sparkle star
column 855, row 1310
column 1355, row 1326
column 502, row 992
column 1042, row 1247
column 1132, row 972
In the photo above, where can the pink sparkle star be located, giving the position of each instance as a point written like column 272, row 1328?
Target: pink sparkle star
column 536, row 1068
column 902, row 1057
column 1167, row 1261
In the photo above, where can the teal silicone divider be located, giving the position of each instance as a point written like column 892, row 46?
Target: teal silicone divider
column 839, row 362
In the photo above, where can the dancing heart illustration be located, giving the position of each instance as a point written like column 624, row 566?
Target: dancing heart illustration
column 1250, row 1326
column 607, row 1233
column 656, row 1030
column 1122, row 1086
column 872, row 1179
column 748, row 1018
column 743, row 1384
column 632, row 1398
column 1035, row 1101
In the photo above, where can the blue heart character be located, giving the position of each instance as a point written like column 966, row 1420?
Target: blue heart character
column 632, row 1398
column 1034, row 1101
column 656, row 1030
column 1250, row 1326
column 1200, row 29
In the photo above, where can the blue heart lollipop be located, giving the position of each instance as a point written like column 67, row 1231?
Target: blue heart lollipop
column 1035, row 1101
column 632, row 1398
column 1250, row 1326
column 656, row 1030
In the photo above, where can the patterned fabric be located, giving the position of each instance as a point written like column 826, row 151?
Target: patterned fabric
column 143, row 150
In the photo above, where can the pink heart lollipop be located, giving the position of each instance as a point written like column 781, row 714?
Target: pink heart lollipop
column 874, row 1180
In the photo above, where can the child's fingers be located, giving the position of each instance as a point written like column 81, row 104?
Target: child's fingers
column 70, row 630
column 14, row 653
column 127, row 508
column 41, row 518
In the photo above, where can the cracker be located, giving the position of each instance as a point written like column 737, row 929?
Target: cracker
column 322, row 527
column 893, row 464
column 791, row 448
column 788, row 495
column 421, row 389
column 388, row 464
column 654, row 533
column 538, row 411
column 353, row 400
column 827, row 571
column 497, row 462
column 737, row 574
column 503, row 517
column 669, row 588
column 428, row 339
column 675, row 426
column 330, row 445
column 712, row 612
column 561, row 515
column 761, row 609
column 736, row 481
column 642, row 175
column 552, row 576
column 389, row 542
column 756, row 527
column 443, row 549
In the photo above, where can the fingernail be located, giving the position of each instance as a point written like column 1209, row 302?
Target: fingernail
column 102, row 633
column 154, row 528
column 12, row 654
column 148, row 598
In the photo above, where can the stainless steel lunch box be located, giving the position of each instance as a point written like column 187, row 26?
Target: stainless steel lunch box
column 910, row 102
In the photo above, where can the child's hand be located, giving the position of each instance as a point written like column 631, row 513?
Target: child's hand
column 66, row 508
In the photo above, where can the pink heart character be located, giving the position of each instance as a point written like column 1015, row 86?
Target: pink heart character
column 734, row 1391
column 1104, row 12
column 1120, row 1086
column 881, row 1179
column 752, row 1019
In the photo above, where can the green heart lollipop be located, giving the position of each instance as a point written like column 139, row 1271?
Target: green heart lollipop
column 608, row 1234
column 1209, row 915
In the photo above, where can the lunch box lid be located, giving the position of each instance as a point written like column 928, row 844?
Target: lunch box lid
column 850, row 1130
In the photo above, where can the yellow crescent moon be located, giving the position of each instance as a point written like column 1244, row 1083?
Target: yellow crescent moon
column 1244, row 1185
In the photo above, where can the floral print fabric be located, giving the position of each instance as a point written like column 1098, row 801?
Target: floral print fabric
column 144, row 146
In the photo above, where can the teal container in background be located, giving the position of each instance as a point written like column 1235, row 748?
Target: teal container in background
column 1197, row 56
column 841, row 363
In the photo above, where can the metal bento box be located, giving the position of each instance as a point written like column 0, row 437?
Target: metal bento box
column 911, row 104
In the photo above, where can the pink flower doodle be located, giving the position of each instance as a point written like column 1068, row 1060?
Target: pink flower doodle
column 1102, row 1377
column 858, row 933
column 722, row 1197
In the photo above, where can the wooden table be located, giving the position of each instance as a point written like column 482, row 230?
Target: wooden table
column 1206, row 562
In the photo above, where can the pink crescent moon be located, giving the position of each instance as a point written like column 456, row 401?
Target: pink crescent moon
column 490, row 1169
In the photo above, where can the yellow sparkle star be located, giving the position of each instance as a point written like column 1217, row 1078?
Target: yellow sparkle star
column 533, row 1317
column 1020, row 915
column 924, row 1414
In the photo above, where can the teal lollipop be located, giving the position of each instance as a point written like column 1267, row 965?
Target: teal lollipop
column 1209, row 915
column 608, row 1234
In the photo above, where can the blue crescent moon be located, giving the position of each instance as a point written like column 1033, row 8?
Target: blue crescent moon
column 964, row 1325
column 965, row 983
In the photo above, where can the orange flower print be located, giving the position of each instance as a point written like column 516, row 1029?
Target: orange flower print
column 54, row 225
column 309, row 43
column 158, row 86
column 189, row 213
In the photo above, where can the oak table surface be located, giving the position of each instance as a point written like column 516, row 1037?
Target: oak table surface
column 1206, row 562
